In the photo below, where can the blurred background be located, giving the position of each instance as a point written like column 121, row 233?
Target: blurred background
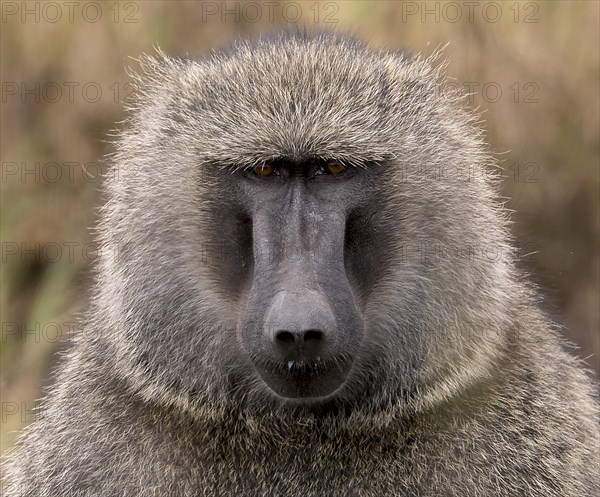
column 531, row 68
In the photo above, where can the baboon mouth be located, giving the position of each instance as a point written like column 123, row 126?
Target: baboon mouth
column 304, row 379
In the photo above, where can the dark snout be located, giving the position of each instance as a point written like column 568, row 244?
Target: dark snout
column 301, row 329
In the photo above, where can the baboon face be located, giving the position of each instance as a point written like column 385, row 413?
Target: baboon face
column 279, row 198
column 306, row 239
column 302, row 226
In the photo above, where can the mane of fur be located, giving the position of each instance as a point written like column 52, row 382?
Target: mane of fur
column 499, row 408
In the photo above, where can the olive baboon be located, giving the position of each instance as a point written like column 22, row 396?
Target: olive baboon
column 308, row 289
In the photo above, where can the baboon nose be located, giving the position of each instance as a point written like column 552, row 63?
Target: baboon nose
column 299, row 344
column 301, row 353
column 300, row 326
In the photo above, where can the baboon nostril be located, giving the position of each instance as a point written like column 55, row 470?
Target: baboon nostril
column 285, row 337
column 313, row 336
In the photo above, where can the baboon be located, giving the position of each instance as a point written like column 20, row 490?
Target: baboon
column 307, row 288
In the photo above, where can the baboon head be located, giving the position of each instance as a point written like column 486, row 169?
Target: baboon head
column 301, row 223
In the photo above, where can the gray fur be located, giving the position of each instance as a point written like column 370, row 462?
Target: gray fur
column 471, row 394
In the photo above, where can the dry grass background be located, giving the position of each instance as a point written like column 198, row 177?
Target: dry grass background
column 544, row 124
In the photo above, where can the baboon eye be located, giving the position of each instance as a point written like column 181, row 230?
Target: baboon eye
column 332, row 167
column 335, row 167
column 265, row 170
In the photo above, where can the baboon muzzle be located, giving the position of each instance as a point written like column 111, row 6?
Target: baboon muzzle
column 301, row 326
